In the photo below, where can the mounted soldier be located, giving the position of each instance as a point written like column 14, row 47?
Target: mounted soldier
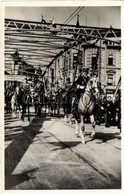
column 26, row 86
column 68, row 83
column 82, row 80
column 80, row 85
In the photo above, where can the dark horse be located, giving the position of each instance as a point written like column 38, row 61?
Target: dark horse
column 22, row 101
column 39, row 98
column 67, row 96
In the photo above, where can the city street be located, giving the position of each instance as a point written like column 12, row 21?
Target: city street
column 46, row 154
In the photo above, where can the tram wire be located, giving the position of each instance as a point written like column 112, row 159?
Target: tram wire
column 71, row 15
column 75, row 14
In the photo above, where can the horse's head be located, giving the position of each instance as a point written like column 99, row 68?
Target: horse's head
column 92, row 85
column 17, row 90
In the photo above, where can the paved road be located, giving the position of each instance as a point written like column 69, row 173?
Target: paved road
column 46, row 154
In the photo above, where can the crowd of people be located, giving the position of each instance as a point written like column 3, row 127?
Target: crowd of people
column 106, row 110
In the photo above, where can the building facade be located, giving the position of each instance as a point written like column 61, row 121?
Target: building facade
column 105, row 61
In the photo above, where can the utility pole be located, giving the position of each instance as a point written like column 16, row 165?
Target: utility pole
column 65, row 69
column 55, row 71
column 99, row 69
column 60, row 72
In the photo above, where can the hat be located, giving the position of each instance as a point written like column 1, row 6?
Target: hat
column 68, row 80
column 51, row 84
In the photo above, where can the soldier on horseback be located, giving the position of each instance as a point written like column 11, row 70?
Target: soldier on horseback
column 68, row 83
column 26, row 85
column 82, row 81
column 80, row 85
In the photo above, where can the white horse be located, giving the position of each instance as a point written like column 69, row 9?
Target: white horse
column 16, row 109
column 86, row 106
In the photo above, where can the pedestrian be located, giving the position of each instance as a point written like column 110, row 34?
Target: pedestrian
column 109, row 110
column 105, row 111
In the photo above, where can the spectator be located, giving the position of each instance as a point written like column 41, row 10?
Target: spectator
column 110, row 110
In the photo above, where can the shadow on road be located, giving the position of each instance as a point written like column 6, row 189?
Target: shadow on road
column 104, row 137
column 17, row 148
column 15, row 179
column 64, row 145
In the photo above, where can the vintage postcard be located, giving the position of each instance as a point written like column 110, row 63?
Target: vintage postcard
column 61, row 96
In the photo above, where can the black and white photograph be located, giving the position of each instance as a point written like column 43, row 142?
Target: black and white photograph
column 62, row 97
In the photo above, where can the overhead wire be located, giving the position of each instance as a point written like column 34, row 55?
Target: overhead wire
column 75, row 14
column 70, row 18
column 71, row 15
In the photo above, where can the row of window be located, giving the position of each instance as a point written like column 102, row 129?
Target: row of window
column 94, row 59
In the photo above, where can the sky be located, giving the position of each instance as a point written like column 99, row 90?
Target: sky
column 90, row 16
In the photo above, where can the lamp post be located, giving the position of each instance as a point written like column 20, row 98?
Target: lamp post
column 16, row 59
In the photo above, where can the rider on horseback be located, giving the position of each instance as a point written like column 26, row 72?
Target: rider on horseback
column 82, row 81
column 80, row 85
column 26, row 85
column 68, row 83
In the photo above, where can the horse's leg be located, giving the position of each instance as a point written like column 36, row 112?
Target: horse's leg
column 35, row 109
column 55, row 109
column 19, row 112
column 39, row 110
column 28, row 113
column 58, row 109
column 77, row 131
column 13, row 111
column 82, row 129
column 66, row 117
column 93, row 125
column 23, row 111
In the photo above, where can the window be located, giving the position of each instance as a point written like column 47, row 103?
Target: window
column 75, row 58
column 94, row 61
column 110, row 79
column 110, row 60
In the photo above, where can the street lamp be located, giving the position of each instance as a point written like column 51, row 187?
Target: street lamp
column 16, row 58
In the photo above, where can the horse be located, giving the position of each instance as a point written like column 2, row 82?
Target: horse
column 39, row 98
column 26, row 103
column 8, row 97
column 86, row 106
column 21, row 100
column 15, row 102
column 67, row 97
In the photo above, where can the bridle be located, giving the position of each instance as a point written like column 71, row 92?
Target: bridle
column 89, row 92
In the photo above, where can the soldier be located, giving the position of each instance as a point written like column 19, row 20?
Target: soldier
column 80, row 84
column 82, row 81
column 26, row 85
column 68, row 83
column 109, row 110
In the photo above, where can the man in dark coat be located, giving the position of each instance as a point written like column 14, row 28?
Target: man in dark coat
column 82, row 81
column 80, row 84
column 26, row 86
column 109, row 110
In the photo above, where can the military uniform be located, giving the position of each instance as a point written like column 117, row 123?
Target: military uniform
column 26, row 86
column 80, row 84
